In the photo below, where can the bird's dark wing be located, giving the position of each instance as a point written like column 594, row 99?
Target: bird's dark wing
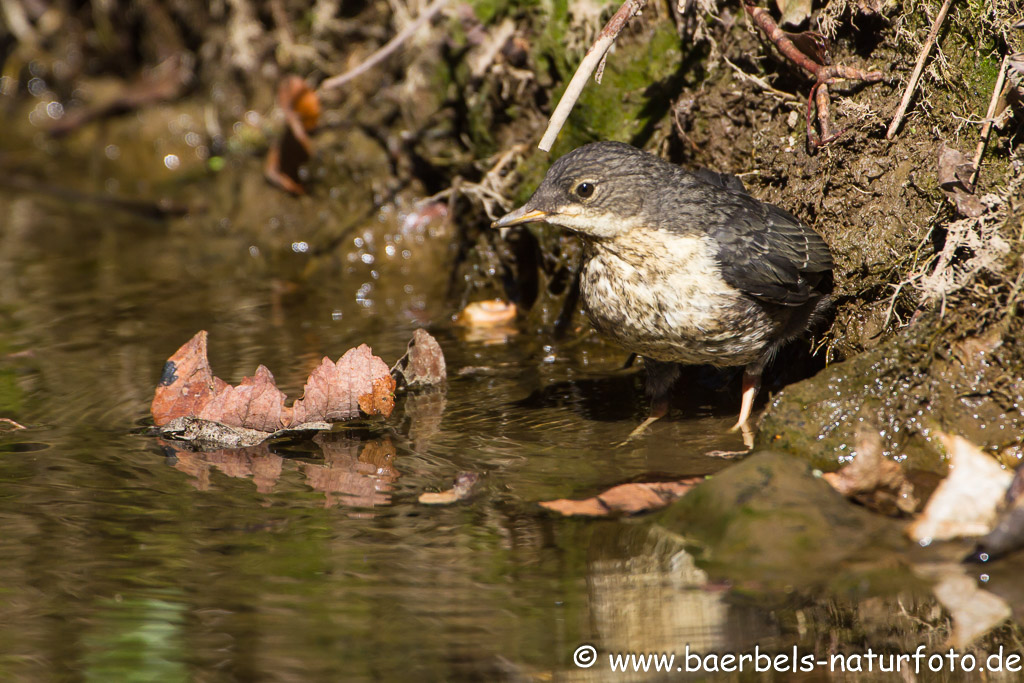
column 726, row 181
column 767, row 252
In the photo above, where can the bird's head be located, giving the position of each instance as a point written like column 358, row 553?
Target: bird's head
column 597, row 190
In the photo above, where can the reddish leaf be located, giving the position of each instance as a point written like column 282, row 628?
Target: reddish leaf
column 333, row 390
column 626, row 498
column 256, row 403
column 187, row 383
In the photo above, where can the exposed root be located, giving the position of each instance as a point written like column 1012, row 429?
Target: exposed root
column 818, row 100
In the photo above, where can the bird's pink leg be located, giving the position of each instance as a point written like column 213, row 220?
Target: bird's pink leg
column 751, row 383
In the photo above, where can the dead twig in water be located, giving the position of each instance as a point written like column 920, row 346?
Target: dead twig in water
column 918, row 69
column 594, row 57
column 823, row 74
column 14, row 425
column 386, row 51
column 986, row 130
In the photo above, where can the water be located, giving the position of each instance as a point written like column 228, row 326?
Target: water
column 128, row 558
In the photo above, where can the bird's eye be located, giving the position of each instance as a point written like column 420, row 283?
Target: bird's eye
column 585, row 190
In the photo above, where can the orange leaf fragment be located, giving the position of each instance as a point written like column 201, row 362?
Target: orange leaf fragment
column 629, row 499
column 380, row 401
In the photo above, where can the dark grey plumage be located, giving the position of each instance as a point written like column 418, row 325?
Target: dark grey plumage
column 682, row 266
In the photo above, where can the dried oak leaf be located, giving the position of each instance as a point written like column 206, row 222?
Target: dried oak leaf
column 187, row 383
column 423, row 362
column 629, row 499
column 191, row 404
column 334, row 390
column 256, row 403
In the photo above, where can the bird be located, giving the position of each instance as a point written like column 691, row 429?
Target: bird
column 683, row 267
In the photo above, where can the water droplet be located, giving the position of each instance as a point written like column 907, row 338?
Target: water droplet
column 55, row 110
column 171, row 161
column 37, row 86
column 254, row 251
column 300, row 247
column 366, row 258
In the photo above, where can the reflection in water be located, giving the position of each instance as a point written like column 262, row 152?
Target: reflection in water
column 255, row 462
column 357, row 474
column 353, row 472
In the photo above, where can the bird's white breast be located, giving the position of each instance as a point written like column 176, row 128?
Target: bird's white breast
column 661, row 295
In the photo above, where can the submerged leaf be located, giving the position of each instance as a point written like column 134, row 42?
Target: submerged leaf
column 464, row 484
column 629, row 499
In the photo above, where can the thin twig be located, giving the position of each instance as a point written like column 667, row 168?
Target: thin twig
column 595, row 55
column 14, row 425
column 760, row 82
column 986, row 130
column 385, row 52
column 918, row 69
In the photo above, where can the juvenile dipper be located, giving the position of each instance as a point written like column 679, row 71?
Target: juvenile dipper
column 682, row 267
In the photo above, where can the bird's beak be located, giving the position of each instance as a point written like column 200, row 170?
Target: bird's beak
column 520, row 216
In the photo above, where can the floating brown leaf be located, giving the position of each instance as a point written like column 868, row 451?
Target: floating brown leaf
column 256, row 403
column 187, row 383
column 333, row 390
column 191, row 404
column 423, row 362
column 629, row 499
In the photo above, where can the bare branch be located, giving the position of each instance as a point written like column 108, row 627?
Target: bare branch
column 595, row 55
column 918, row 69
column 386, row 51
column 986, row 130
